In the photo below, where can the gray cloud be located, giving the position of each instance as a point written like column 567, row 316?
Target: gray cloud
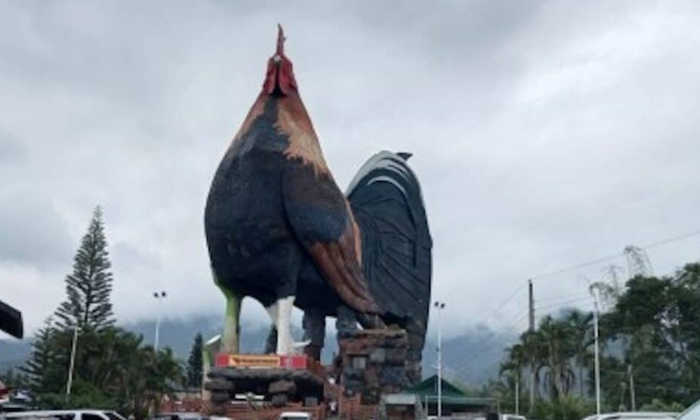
column 33, row 232
column 11, row 150
column 544, row 133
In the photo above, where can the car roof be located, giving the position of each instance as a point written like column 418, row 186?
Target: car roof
column 55, row 412
column 633, row 415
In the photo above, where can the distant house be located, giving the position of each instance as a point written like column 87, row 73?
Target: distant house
column 12, row 401
column 422, row 399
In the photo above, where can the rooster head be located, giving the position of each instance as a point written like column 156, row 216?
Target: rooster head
column 279, row 79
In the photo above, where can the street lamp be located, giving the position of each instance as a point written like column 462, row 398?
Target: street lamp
column 596, row 315
column 439, row 306
column 159, row 296
column 74, row 347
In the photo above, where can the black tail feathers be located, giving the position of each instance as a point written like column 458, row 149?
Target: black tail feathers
column 388, row 206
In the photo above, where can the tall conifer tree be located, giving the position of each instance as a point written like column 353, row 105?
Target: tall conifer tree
column 194, row 363
column 41, row 360
column 89, row 286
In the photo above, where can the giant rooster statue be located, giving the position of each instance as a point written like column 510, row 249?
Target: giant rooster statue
column 280, row 230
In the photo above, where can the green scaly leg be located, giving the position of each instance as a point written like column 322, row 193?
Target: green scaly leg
column 232, row 327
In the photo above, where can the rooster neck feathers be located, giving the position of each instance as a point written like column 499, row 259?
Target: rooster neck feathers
column 290, row 119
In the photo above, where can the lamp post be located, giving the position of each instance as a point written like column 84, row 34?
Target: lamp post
column 159, row 296
column 71, row 368
column 594, row 292
column 439, row 306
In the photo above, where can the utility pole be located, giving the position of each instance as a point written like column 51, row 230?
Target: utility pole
column 159, row 296
column 74, row 347
column 531, row 329
column 439, row 306
column 594, row 292
column 632, row 395
column 531, row 305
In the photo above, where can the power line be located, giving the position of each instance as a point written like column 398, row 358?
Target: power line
column 562, row 297
column 564, row 270
column 565, row 302
column 588, row 263
column 505, row 302
column 491, row 340
column 576, row 266
column 675, row 239
column 618, row 255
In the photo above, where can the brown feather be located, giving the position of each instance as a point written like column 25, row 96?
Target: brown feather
column 342, row 274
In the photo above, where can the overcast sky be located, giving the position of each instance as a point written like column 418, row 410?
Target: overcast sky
column 545, row 134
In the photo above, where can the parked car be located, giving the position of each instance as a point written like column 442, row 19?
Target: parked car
column 65, row 415
column 295, row 415
column 634, row 415
column 181, row 416
column 691, row 413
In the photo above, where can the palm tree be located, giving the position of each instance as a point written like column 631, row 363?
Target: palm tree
column 533, row 346
column 581, row 326
column 557, row 338
column 516, row 360
column 513, row 366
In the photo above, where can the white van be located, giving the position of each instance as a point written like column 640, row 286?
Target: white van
column 634, row 415
column 65, row 415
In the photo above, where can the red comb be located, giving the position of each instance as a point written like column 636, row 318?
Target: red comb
column 280, row 40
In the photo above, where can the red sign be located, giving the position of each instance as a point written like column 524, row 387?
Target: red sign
column 253, row 361
column 293, row 362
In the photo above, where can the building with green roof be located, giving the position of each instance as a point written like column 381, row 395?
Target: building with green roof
column 455, row 401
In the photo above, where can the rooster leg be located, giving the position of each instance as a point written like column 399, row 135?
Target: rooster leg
column 232, row 326
column 314, row 323
column 285, row 342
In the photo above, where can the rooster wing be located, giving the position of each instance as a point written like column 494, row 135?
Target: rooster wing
column 322, row 221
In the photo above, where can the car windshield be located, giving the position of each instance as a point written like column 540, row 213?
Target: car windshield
column 40, row 416
column 187, row 416
column 114, row 415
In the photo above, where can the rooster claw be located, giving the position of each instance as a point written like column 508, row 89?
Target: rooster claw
column 301, row 344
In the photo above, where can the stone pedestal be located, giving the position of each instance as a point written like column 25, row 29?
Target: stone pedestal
column 374, row 362
column 280, row 380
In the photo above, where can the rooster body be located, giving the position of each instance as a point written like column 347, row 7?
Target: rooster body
column 274, row 204
column 280, row 230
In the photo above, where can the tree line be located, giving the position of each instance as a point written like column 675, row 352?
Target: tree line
column 649, row 335
column 112, row 368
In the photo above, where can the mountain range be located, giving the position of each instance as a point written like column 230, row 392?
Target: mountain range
column 472, row 358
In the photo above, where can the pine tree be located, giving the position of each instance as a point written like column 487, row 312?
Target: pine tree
column 194, row 363
column 41, row 360
column 89, row 286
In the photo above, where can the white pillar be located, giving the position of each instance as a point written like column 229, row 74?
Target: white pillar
column 72, row 361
